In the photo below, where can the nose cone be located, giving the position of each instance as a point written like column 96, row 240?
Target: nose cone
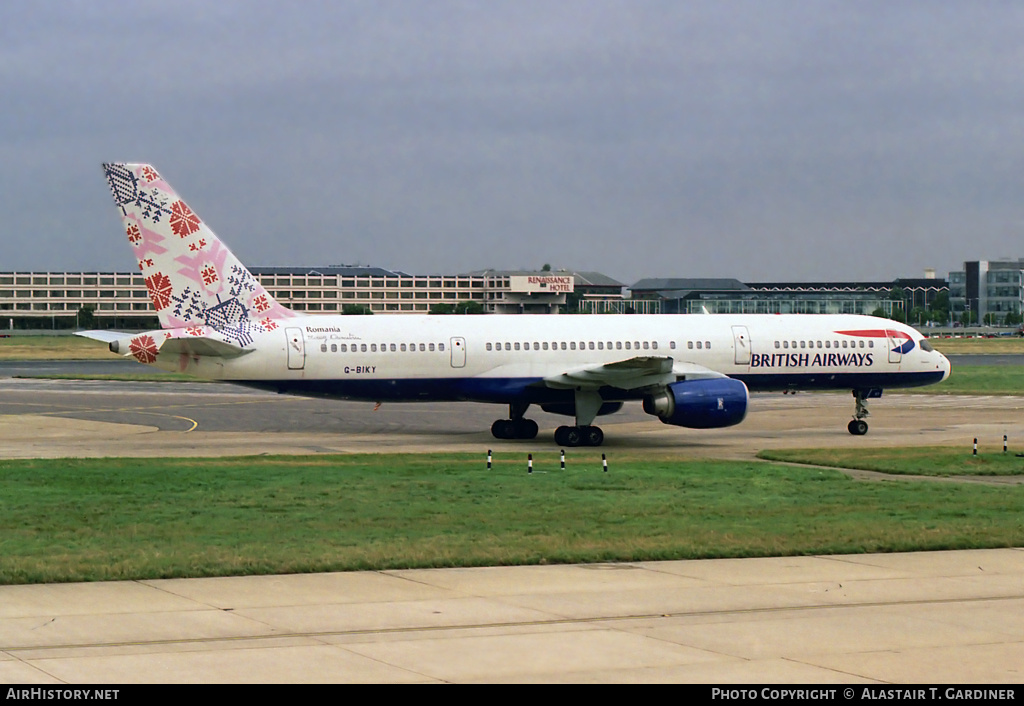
column 945, row 366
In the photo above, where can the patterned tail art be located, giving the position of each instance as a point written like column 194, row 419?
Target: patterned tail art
column 192, row 278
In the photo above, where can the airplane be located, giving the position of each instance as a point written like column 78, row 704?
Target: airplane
column 691, row 370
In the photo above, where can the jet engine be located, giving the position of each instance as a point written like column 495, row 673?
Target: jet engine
column 700, row 404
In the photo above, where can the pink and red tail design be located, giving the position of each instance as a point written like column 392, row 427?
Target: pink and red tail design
column 192, row 277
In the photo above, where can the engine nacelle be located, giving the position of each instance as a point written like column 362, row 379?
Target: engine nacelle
column 700, row 404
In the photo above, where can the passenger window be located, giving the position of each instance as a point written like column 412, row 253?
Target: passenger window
column 344, row 347
column 572, row 345
column 672, row 345
column 373, row 347
column 707, row 344
column 323, row 347
column 689, row 344
column 362, row 347
column 785, row 344
column 698, row 345
column 517, row 345
column 431, row 347
column 403, row 348
column 645, row 345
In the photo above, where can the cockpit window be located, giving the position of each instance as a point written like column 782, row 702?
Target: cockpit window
column 925, row 346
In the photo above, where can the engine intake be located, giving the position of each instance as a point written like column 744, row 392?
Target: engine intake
column 700, row 404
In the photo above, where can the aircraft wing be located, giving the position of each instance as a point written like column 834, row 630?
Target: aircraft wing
column 630, row 374
column 691, row 371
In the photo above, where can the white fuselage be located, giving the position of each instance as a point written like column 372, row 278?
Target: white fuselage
column 489, row 357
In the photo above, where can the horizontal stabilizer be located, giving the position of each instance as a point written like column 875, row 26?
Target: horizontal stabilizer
column 201, row 345
column 105, row 336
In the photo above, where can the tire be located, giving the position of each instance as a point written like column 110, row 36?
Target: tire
column 592, row 436
column 503, row 429
column 568, row 436
column 526, row 429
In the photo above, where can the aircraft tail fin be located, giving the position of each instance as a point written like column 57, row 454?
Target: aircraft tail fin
column 191, row 276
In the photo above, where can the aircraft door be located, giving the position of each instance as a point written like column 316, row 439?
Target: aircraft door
column 458, row 352
column 741, row 344
column 296, row 349
column 895, row 347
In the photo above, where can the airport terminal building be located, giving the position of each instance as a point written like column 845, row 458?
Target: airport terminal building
column 56, row 300
column 52, row 300
column 987, row 290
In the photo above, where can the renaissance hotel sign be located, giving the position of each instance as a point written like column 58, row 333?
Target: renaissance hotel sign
column 540, row 284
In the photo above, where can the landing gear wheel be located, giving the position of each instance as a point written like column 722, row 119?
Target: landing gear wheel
column 568, row 436
column 858, row 427
column 579, row 436
column 592, row 436
column 526, row 429
column 503, row 429
column 514, row 429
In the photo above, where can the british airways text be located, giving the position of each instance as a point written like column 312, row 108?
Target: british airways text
column 816, row 360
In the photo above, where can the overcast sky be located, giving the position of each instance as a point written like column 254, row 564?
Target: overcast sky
column 762, row 140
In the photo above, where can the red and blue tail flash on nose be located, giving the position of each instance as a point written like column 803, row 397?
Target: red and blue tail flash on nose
column 906, row 341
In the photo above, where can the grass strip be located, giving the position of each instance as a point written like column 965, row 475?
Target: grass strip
column 938, row 461
column 105, row 519
column 977, row 380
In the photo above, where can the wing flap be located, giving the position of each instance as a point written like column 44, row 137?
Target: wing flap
column 628, row 374
column 631, row 374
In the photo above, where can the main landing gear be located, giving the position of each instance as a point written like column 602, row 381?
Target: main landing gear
column 857, row 425
column 515, row 427
column 579, row 436
column 587, row 402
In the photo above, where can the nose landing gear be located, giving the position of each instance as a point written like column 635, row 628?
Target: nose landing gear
column 857, row 426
